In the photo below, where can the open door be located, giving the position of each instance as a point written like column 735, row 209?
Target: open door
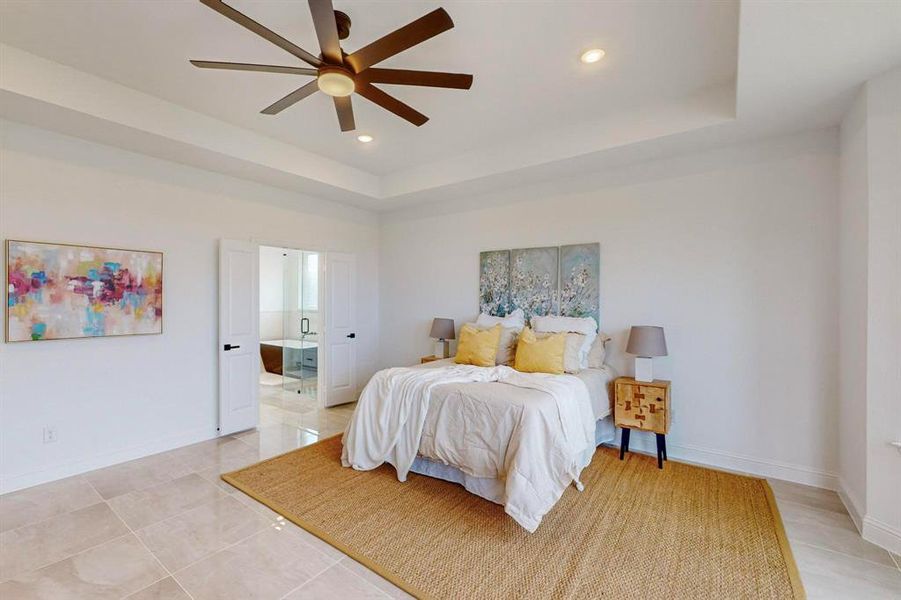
column 340, row 329
column 239, row 336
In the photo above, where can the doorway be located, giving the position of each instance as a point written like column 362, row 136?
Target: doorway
column 287, row 339
column 289, row 328
column 292, row 390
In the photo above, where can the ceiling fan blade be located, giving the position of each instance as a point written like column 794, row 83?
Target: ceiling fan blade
column 292, row 98
column 231, row 66
column 388, row 102
column 427, row 78
column 244, row 21
column 326, row 30
column 399, row 40
column 345, row 110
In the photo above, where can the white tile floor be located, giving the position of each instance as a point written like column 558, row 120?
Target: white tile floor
column 166, row 527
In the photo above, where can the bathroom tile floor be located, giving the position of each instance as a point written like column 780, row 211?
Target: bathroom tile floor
column 165, row 527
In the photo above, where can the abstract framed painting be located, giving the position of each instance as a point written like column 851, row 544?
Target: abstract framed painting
column 65, row 291
column 580, row 286
column 534, row 280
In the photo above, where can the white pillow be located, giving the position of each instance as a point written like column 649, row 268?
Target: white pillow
column 506, row 348
column 515, row 320
column 555, row 324
column 587, row 326
column 598, row 353
column 572, row 362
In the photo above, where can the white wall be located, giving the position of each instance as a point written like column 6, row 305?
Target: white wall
column 114, row 399
column 870, row 310
column 853, row 310
column 272, row 293
column 734, row 252
column 882, row 523
column 280, row 270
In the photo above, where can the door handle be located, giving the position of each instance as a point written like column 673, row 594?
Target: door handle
column 228, row 347
column 351, row 335
column 305, row 325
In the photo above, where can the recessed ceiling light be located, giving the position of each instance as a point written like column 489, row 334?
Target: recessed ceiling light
column 364, row 138
column 592, row 56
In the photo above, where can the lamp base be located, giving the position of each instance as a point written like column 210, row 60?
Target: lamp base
column 644, row 369
column 442, row 349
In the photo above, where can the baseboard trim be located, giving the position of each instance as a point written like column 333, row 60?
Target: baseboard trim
column 882, row 534
column 686, row 453
column 740, row 463
column 873, row 530
column 851, row 505
column 11, row 483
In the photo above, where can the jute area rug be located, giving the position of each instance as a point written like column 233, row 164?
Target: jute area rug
column 634, row 532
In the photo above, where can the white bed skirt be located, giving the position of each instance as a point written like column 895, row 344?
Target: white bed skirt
column 490, row 488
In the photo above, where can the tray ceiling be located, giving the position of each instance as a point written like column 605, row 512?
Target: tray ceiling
column 677, row 76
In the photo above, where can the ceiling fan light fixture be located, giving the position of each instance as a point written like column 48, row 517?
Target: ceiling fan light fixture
column 335, row 82
column 592, row 56
column 339, row 74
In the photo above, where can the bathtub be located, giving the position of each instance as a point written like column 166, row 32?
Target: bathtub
column 297, row 354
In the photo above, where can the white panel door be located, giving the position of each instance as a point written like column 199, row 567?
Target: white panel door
column 341, row 329
column 239, row 336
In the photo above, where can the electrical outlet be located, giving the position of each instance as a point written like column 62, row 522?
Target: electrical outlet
column 49, row 435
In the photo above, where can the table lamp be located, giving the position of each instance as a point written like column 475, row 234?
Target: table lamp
column 646, row 342
column 443, row 330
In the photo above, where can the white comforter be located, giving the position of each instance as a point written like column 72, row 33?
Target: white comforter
column 544, row 450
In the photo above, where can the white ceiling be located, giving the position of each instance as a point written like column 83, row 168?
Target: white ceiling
column 674, row 71
column 524, row 56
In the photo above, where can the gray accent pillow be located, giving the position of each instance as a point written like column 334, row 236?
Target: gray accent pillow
column 598, row 352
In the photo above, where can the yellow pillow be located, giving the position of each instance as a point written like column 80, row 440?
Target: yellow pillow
column 540, row 356
column 478, row 346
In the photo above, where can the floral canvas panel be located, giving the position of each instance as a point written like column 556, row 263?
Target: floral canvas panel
column 534, row 280
column 58, row 291
column 494, row 282
column 580, row 268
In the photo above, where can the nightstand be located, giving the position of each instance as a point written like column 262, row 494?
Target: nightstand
column 645, row 406
column 427, row 359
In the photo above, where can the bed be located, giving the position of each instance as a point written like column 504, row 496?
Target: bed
column 498, row 398
column 519, row 436
column 513, row 438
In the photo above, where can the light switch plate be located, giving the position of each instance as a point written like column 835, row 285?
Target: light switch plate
column 49, row 435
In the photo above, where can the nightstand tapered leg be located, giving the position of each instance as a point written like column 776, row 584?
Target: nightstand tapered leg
column 663, row 438
column 624, row 443
column 661, row 445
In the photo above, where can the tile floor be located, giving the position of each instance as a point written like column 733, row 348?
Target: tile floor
column 166, row 527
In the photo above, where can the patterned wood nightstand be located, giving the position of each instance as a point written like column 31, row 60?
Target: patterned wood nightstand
column 642, row 405
column 427, row 359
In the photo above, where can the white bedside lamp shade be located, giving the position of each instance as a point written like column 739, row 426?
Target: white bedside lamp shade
column 645, row 342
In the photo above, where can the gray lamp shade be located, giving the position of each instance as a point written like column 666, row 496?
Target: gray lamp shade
column 647, row 341
column 442, row 329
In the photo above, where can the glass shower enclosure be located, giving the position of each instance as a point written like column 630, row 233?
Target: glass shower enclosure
column 301, row 323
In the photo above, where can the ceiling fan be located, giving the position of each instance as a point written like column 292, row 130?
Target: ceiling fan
column 339, row 74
